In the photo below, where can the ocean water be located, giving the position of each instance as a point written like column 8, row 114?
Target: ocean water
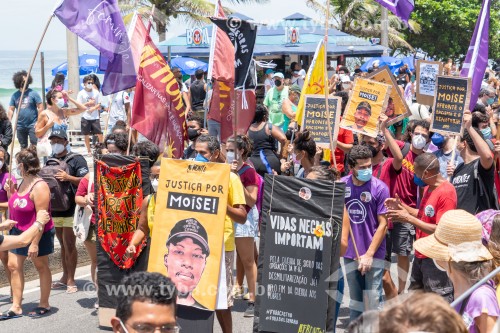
column 14, row 61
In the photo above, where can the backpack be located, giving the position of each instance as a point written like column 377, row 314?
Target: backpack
column 260, row 194
column 60, row 192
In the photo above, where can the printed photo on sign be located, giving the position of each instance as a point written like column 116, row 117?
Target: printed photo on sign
column 188, row 233
column 305, row 193
column 368, row 100
column 427, row 72
column 397, row 109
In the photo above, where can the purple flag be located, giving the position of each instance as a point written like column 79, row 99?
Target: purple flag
column 476, row 60
column 100, row 24
column 400, row 8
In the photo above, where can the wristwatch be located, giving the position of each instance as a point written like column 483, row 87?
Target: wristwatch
column 40, row 225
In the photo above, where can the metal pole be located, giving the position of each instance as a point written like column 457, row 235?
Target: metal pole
column 42, row 65
column 73, row 76
column 384, row 40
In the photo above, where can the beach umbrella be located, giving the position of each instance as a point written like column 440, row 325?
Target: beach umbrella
column 393, row 63
column 188, row 65
column 88, row 64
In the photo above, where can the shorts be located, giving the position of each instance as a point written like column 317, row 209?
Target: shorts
column 63, row 222
column 388, row 250
column 251, row 226
column 89, row 127
column 45, row 245
column 92, row 236
column 427, row 277
column 229, row 256
column 402, row 237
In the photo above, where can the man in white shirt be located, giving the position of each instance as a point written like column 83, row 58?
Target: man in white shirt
column 298, row 74
column 119, row 110
column 90, row 97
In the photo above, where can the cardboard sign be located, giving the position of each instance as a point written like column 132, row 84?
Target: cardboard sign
column 299, row 251
column 397, row 109
column 316, row 119
column 367, row 101
column 427, row 71
column 452, row 99
column 189, row 228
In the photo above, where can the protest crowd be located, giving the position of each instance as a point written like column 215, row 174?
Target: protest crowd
column 419, row 194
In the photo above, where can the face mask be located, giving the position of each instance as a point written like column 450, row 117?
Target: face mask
column 192, row 134
column 364, row 175
column 1, row 164
column 154, row 183
column 486, row 132
column 438, row 140
column 296, row 160
column 230, row 157
column 60, row 103
column 89, row 86
column 418, row 141
column 58, row 148
column 490, row 101
column 438, row 267
column 17, row 172
column 201, row 158
column 418, row 181
column 277, row 83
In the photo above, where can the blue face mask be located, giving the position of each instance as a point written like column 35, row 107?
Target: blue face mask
column 486, row 132
column 490, row 100
column 201, row 158
column 418, row 181
column 438, row 140
column 364, row 175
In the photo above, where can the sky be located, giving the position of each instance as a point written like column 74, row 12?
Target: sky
column 23, row 21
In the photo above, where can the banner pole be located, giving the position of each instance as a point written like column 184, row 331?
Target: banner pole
column 453, row 152
column 325, row 80
column 14, row 125
column 353, row 241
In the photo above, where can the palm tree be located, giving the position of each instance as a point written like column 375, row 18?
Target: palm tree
column 194, row 12
column 361, row 18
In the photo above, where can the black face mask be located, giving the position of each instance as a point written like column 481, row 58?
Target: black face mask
column 193, row 134
column 373, row 150
column 277, row 83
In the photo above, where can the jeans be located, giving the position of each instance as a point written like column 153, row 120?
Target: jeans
column 24, row 133
column 340, row 294
column 365, row 290
column 213, row 128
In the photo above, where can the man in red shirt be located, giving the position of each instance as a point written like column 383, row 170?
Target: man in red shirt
column 439, row 197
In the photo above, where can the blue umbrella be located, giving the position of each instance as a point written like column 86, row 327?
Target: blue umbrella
column 88, row 64
column 188, row 65
column 393, row 63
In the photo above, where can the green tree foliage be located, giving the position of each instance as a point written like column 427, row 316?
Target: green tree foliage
column 448, row 26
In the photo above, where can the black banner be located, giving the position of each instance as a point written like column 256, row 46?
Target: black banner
column 452, row 99
column 316, row 118
column 299, row 251
column 242, row 35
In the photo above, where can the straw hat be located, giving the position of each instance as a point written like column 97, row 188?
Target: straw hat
column 457, row 238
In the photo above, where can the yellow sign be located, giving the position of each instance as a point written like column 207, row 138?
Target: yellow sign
column 188, row 232
column 368, row 100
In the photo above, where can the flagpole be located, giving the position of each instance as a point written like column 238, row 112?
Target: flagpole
column 14, row 125
column 325, row 80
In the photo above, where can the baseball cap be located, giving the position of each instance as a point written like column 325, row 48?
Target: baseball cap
column 190, row 228
column 280, row 75
column 59, row 133
column 295, row 88
column 269, row 71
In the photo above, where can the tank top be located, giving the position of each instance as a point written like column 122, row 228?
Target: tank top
column 22, row 210
column 62, row 126
column 198, row 94
column 261, row 140
column 286, row 122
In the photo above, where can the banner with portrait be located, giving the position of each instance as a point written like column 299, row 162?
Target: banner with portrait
column 397, row 109
column 299, row 255
column 188, row 234
column 367, row 101
column 427, row 72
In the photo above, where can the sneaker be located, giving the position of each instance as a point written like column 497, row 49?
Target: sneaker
column 238, row 292
column 246, row 297
column 249, row 311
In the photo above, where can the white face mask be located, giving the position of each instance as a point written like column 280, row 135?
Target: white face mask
column 418, row 141
column 154, row 183
column 58, row 148
column 230, row 157
column 89, row 86
column 60, row 103
column 1, row 164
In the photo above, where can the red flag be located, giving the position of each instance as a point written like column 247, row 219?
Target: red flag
column 137, row 36
column 245, row 114
column 158, row 112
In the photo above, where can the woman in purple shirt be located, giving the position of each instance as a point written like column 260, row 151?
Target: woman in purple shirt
column 32, row 196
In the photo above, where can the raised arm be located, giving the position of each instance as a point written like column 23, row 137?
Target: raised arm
column 397, row 162
column 485, row 156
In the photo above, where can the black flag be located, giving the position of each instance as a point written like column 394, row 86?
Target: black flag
column 242, row 34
